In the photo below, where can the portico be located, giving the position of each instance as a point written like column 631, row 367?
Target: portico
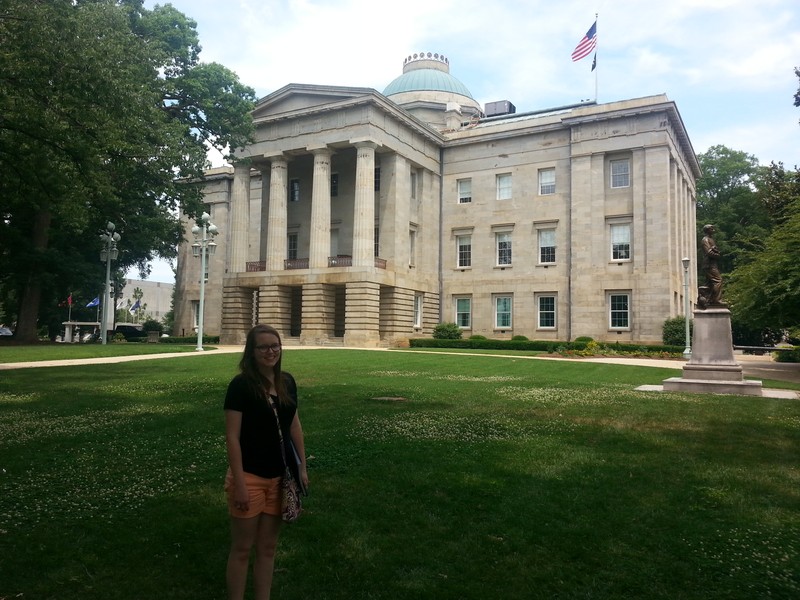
column 319, row 237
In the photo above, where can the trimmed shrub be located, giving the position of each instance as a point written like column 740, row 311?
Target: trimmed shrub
column 519, row 338
column 584, row 338
column 673, row 332
column 478, row 337
column 207, row 339
column 788, row 356
column 447, row 331
column 152, row 325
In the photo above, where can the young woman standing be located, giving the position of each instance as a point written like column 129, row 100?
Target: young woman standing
column 255, row 460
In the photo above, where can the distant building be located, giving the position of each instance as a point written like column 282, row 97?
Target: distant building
column 365, row 219
column 156, row 299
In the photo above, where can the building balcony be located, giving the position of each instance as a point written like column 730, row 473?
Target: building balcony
column 302, row 263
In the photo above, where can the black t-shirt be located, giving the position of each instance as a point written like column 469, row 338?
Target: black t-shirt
column 261, row 450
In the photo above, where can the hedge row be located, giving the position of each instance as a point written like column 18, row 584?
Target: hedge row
column 207, row 339
column 539, row 345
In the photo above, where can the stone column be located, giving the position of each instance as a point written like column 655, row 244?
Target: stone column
column 265, row 170
column 320, row 243
column 240, row 218
column 237, row 314
column 276, row 218
column 275, row 307
column 319, row 306
column 362, row 317
column 364, row 210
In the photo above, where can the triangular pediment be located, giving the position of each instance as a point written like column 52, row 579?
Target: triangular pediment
column 296, row 96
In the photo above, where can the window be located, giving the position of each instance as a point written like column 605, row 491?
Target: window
column 620, row 173
column 502, row 312
column 412, row 247
column 547, row 246
column 620, row 241
column 196, row 313
column 464, row 191
column 464, row 312
column 377, row 245
column 291, row 246
column 417, row 310
column 334, row 185
column 464, row 251
column 377, row 179
column 503, row 243
column 546, row 311
column 413, row 185
column 619, row 313
column 547, row 181
column 294, row 190
column 504, row 186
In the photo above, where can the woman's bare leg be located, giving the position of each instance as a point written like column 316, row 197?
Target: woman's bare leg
column 243, row 536
column 266, row 542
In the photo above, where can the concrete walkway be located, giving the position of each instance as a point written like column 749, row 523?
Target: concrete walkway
column 753, row 367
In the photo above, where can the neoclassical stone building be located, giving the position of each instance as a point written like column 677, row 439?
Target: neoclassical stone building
column 364, row 218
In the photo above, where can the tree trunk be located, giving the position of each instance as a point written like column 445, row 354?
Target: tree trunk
column 31, row 297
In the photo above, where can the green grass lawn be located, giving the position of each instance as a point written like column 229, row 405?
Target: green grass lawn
column 433, row 476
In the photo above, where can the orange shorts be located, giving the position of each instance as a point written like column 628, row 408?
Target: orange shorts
column 265, row 496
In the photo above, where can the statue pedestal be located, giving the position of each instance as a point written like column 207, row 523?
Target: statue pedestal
column 712, row 368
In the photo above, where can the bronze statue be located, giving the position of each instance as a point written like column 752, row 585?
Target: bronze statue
column 711, row 293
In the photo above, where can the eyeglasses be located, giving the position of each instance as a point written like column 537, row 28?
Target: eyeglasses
column 275, row 348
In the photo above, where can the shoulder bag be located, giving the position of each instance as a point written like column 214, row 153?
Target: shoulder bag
column 291, row 505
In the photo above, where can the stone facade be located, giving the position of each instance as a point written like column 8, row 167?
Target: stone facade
column 350, row 220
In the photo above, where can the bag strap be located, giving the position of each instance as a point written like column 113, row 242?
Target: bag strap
column 280, row 431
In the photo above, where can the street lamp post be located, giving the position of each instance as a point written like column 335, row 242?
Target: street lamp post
column 687, row 353
column 107, row 254
column 204, row 246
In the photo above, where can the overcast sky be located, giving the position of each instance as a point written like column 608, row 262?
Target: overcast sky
column 728, row 64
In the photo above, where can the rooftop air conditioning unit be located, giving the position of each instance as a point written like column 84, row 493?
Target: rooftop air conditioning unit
column 501, row 107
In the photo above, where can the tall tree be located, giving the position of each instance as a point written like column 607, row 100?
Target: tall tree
column 104, row 106
column 764, row 289
column 727, row 197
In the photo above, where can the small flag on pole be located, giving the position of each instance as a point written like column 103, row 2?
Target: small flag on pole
column 587, row 44
column 69, row 300
column 94, row 302
column 135, row 307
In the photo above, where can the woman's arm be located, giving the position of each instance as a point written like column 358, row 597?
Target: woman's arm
column 233, row 428
column 296, row 431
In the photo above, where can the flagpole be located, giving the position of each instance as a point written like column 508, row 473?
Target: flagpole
column 596, row 67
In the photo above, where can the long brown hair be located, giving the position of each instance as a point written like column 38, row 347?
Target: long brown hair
column 249, row 367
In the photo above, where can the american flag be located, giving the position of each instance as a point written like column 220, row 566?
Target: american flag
column 587, row 44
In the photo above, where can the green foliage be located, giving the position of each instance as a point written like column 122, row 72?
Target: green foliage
column 584, row 338
column 447, row 331
column 674, row 331
column 788, row 356
column 478, row 337
column 762, row 291
column 152, row 325
column 575, row 348
column 104, row 106
column 519, row 338
column 178, row 340
column 727, row 198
